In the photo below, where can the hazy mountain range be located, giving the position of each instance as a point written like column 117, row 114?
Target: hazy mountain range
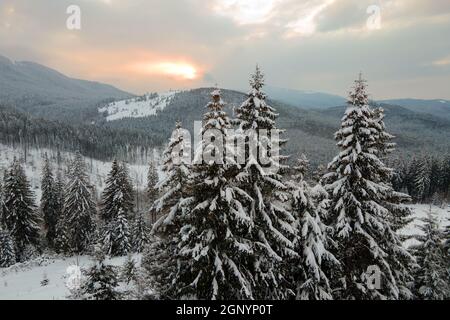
column 310, row 118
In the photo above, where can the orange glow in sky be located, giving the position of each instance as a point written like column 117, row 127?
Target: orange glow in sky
column 177, row 70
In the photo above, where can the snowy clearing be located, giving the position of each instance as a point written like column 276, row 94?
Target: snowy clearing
column 140, row 107
column 421, row 211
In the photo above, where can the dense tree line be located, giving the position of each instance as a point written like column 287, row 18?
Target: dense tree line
column 101, row 142
column 425, row 178
column 68, row 220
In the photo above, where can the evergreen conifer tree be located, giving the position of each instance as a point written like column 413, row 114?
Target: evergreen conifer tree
column 79, row 208
column 308, row 276
column 7, row 251
column 422, row 180
column 140, row 233
column 51, row 206
column 20, row 215
column 116, row 211
column 431, row 277
column 214, row 242
column 160, row 259
column 101, row 281
column 152, row 181
column 359, row 213
column 261, row 179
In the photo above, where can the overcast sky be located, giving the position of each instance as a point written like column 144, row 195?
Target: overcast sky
column 320, row 45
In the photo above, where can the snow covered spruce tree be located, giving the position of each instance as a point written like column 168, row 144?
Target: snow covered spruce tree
column 62, row 239
column 161, row 260
column 152, row 181
column 421, row 181
column 431, row 277
column 7, row 251
column 79, row 208
column 261, row 179
column 383, row 146
column 21, row 218
column 51, row 207
column 101, row 280
column 140, row 233
column 214, row 242
column 116, row 210
column 367, row 244
column 309, row 279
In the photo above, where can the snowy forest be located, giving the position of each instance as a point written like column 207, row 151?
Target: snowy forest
column 230, row 230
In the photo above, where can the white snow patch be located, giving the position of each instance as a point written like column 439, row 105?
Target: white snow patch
column 23, row 281
column 420, row 211
column 139, row 107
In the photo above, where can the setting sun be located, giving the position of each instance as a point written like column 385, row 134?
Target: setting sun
column 176, row 70
column 181, row 70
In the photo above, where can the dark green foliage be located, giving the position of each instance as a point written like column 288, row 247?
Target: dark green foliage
column 101, row 281
column 20, row 216
column 79, row 208
column 51, row 205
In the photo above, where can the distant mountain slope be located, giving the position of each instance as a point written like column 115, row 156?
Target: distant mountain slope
column 323, row 101
column 439, row 108
column 413, row 130
column 305, row 99
column 47, row 93
column 20, row 130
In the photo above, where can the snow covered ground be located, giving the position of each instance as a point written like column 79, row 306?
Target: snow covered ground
column 24, row 281
column 139, row 107
column 420, row 211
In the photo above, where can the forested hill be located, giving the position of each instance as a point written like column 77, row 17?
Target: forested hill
column 24, row 131
column 44, row 92
column 308, row 131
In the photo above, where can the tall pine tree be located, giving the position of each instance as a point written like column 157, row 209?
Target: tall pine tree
column 51, row 206
column 116, row 211
column 310, row 281
column 215, row 245
column 79, row 208
column 140, row 233
column 261, row 179
column 421, row 180
column 358, row 212
column 20, row 215
column 160, row 260
column 7, row 250
column 431, row 276
column 152, row 181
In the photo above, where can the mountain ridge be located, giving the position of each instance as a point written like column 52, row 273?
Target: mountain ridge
column 45, row 92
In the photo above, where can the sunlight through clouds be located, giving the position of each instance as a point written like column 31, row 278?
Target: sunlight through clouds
column 177, row 70
column 306, row 24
